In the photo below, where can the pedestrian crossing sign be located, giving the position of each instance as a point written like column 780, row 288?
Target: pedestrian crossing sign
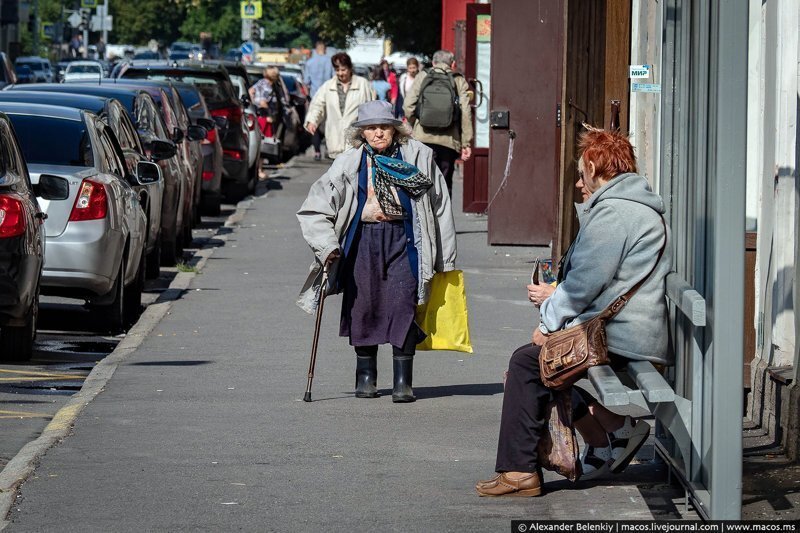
column 251, row 9
column 89, row 4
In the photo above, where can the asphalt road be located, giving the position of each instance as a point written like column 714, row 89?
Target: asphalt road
column 203, row 427
column 67, row 347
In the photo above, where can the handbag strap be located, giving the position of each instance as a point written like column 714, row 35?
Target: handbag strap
column 617, row 305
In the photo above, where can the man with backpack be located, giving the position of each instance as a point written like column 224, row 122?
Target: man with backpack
column 437, row 106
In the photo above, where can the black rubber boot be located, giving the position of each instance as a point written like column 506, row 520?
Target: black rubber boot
column 403, row 370
column 366, row 376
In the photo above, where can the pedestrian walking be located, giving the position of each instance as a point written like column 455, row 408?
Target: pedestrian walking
column 381, row 219
column 317, row 70
column 75, row 45
column 379, row 84
column 267, row 94
column 101, row 49
column 438, row 108
column 336, row 103
column 619, row 244
column 391, row 77
column 405, row 82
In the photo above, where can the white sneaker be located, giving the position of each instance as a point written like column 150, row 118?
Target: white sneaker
column 596, row 462
column 626, row 441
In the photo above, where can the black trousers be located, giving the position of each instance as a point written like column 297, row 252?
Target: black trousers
column 316, row 141
column 524, row 404
column 445, row 159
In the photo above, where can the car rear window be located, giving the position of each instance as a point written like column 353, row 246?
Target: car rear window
column 33, row 65
column 216, row 91
column 68, row 143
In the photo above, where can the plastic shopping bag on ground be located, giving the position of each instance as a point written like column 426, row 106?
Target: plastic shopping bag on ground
column 444, row 318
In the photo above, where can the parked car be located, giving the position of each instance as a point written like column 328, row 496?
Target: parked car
column 155, row 137
column 83, row 71
column 220, row 97
column 238, row 75
column 24, row 74
column 42, row 71
column 116, row 116
column 95, row 236
column 7, row 71
column 22, row 245
column 179, row 50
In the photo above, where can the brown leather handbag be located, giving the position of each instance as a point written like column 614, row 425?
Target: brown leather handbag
column 568, row 354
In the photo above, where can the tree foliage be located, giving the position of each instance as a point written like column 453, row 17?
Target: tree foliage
column 412, row 25
column 221, row 19
column 138, row 22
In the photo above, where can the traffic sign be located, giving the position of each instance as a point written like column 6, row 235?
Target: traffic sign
column 251, row 9
column 247, row 48
column 88, row 3
column 74, row 19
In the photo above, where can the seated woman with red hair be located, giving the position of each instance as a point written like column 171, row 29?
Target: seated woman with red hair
column 621, row 234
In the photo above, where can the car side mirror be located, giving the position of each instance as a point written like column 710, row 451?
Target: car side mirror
column 245, row 98
column 196, row 133
column 178, row 135
column 207, row 123
column 161, row 149
column 147, row 173
column 222, row 122
column 51, row 188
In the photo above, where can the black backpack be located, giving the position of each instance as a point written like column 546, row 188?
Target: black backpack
column 438, row 106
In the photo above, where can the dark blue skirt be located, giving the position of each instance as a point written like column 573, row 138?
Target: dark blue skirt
column 380, row 291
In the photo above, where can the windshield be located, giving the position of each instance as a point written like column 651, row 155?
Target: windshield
column 76, row 69
column 69, row 143
column 215, row 91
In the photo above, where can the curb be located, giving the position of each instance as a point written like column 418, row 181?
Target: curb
column 23, row 464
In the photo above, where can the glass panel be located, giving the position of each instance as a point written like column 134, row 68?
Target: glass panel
column 483, row 49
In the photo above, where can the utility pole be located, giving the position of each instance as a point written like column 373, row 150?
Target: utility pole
column 36, row 27
column 103, row 24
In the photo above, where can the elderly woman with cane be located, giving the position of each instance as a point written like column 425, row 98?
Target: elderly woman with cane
column 621, row 250
column 380, row 219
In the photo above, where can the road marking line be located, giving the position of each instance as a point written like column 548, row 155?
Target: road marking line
column 22, row 414
column 30, row 373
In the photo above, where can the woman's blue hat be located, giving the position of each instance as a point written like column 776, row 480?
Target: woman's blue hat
column 376, row 112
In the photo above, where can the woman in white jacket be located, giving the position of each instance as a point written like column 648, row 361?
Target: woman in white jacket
column 336, row 103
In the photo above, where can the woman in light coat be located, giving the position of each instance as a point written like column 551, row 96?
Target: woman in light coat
column 381, row 219
column 336, row 103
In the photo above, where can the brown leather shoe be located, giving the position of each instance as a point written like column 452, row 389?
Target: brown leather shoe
column 501, row 485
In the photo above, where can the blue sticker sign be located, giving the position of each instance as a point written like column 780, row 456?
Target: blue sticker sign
column 247, row 48
column 646, row 87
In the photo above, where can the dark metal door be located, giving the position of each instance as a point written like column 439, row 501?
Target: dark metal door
column 526, row 78
column 477, row 70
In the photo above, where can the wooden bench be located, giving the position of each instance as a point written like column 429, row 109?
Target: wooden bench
column 649, row 389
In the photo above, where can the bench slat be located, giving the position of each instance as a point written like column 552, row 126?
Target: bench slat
column 686, row 299
column 652, row 384
column 608, row 386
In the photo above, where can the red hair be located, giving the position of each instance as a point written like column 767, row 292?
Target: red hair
column 610, row 151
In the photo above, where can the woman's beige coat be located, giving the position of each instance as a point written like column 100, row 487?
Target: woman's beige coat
column 325, row 108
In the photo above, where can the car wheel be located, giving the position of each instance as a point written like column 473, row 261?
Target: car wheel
column 211, row 206
column 132, row 300
column 235, row 191
column 187, row 237
column 152, row 266
column 113, row 314
column 16, row 343
column 170, row 253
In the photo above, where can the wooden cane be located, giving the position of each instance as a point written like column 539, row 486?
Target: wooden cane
column 313, row 362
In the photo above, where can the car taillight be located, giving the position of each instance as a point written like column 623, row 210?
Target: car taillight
column 233, row 113
column 251, row 122
column 91, row 203
column 211, row 136
column 233, row 154
column 208, row 175
column 12, row 219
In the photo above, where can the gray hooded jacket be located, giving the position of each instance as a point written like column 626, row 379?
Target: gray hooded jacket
column 618, row 242
column 330, row 208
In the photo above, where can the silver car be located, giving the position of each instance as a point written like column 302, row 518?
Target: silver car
column 95, row 238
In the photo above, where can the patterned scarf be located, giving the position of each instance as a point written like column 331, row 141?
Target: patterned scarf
column 388, row 170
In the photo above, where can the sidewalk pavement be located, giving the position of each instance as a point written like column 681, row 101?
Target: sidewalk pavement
column 203, row 427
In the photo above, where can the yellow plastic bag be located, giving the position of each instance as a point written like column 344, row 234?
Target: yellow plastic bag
column 444, row 318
